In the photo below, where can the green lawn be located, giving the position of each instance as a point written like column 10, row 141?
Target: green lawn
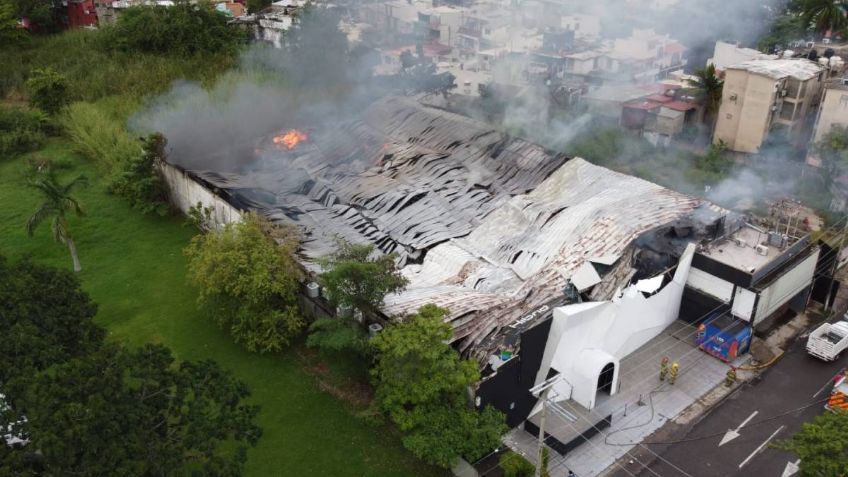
column 133, row 268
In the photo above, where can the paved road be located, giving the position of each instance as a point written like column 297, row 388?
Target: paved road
column 795, row 381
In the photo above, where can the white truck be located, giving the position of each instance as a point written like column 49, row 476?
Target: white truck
column 829, row 340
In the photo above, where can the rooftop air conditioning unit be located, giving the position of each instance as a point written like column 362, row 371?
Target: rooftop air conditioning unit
column 357, row 315
column 844, row 81
column 313, row 290
column 762, row 250
column 811, row 44
column 374, row 329
column 739, row 242
column 733, row 97
column 344, row 311
column 774, row 107
column 784, row 93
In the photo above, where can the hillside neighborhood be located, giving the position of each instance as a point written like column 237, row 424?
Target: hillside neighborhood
column 477, row 238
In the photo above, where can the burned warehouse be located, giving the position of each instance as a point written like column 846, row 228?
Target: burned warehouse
column 548, row 264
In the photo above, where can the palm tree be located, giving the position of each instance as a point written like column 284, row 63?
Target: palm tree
column 57, row 203
column 825, row 15
column 710, row 86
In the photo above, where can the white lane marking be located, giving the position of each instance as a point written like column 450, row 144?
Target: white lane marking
column 758, row 449
column 734, row 433
column 792, row 468
column 826, row 384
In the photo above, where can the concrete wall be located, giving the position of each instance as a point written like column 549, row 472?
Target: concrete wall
column 185, row 193
column 833, row 110
column 786, row 287
column 585, row 337
column 745, row 114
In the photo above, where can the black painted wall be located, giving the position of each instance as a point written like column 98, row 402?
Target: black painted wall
column 508, row 389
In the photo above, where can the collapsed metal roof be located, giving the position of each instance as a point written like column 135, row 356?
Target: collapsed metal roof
column 485, row 224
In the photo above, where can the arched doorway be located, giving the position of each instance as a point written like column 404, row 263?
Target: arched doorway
column 605, row 378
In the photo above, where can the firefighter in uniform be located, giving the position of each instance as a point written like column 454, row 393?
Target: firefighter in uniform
column 663, row 368
column 672, row 377
column 731, row 377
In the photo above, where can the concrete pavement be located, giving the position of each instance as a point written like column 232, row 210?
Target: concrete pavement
column 756, row 414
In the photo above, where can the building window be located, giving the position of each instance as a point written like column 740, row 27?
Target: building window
column 786, row 111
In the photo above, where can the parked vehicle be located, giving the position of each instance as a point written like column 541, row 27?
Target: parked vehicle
column 829, row 340
column 839, row 396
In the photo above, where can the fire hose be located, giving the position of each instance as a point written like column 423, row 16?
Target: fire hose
column 762, row 365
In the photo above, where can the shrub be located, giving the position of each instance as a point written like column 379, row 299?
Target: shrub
column 515, row 465
column 140, row 182
column 248, row 283
column 47, row 90
column 97, row 136
column 21, row 130
column 184, row 29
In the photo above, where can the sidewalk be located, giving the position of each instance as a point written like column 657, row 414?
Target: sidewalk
column 631, row 421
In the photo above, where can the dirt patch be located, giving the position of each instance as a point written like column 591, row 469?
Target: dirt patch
column 351, row 392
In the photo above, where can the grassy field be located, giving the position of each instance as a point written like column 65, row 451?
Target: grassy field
column 133, row 268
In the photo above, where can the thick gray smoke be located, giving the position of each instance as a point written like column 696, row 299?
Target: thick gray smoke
column 319, row 82
column 315, row 82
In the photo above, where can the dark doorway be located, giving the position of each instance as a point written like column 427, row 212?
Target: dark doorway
column 605, row 379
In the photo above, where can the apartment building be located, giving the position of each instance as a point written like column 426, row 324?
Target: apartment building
column 767, row 99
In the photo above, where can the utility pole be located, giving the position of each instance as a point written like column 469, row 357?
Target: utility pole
column 541, row 451
column 541, row 391
column 835, row 265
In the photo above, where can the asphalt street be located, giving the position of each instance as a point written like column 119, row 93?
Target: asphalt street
column 757, row 413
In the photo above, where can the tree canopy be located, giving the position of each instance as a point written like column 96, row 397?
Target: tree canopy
column 184, row 29
column 355, row 275
column 44, row 319
column 248, row 283
column 822, row 445
column 824, row 15
column 833, row 149
column 47, row 90
column 140, row 181
column 90, row 408
column 421, row 384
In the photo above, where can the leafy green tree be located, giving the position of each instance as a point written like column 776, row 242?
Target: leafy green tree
column 337, row 334
column 355, row 275
column 141, row 182
column 184, row 29
column 48, row 90
column 784, row 29
column 710, row 87
column 11, row 32
column 824, row 15
column 45, row 319
column 58, row 203
column 421, row 383
column 449, row 429
column 138, row 413
column 822, row 445
column 21, row 130
column 514, row 465
column 42, row 13
column 832, row 149
column 248, row 283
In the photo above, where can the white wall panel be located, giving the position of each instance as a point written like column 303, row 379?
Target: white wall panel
column 709, row 284
column 786, row 287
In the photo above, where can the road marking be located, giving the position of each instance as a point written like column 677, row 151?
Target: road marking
column 760, row 448
column 792, row 468
column 828, row 383
column 734, row 433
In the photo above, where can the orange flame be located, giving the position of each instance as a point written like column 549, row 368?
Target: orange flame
column 290, row 140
